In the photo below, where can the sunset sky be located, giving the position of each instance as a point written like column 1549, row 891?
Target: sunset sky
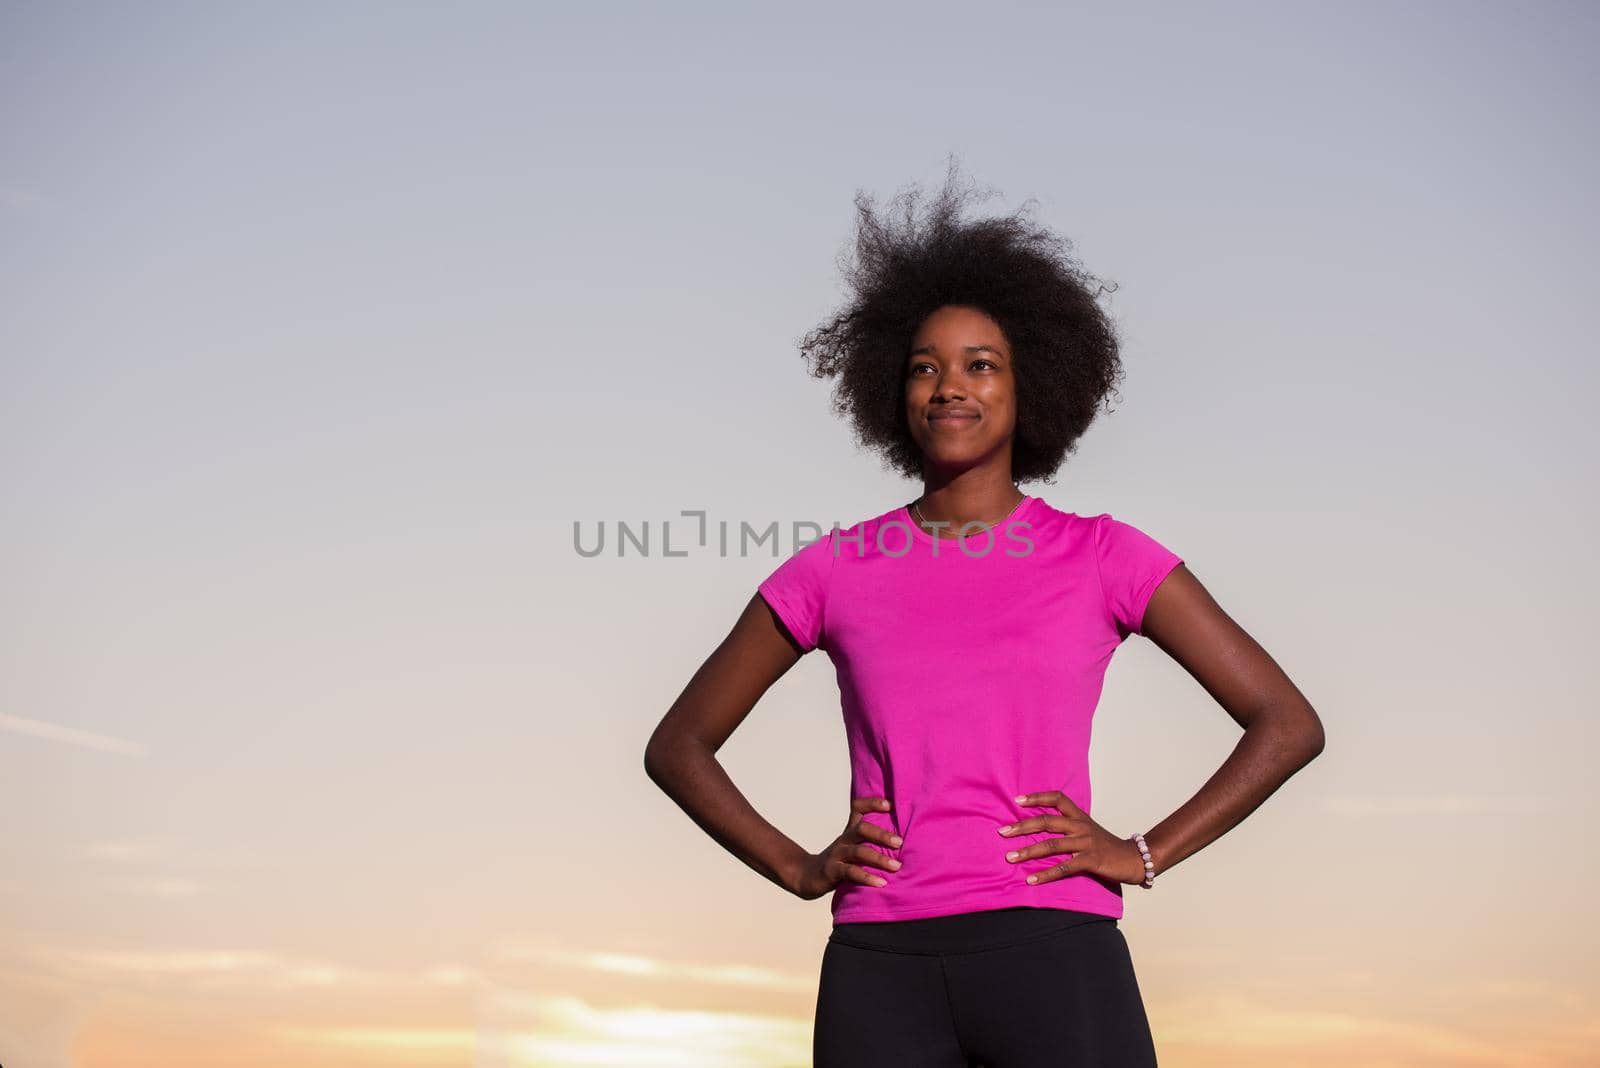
column 323, row 325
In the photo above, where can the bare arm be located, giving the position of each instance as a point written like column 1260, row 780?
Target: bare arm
column 681, row 759
column 1282, row 732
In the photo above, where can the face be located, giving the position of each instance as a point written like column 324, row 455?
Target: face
column 960, row 390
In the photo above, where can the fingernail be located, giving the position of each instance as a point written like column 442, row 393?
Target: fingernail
column 1007, row 829
column 897, row 841
column 1032, row 879
column 895, row 864
column 1020, row 797
column 1011, row 856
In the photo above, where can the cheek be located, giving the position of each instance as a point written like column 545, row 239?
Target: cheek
column 1002, row 416
column 912, row 408
column 1001, row 396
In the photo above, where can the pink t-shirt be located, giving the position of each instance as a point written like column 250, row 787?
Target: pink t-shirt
column 968, row 677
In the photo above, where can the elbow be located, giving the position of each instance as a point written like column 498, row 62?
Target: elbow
column 660, row 757
column 652, row 754
column 1313, row 738
column 655, row 760
column 1297, row 729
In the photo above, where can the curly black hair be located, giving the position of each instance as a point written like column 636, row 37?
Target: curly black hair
column 1064, row 344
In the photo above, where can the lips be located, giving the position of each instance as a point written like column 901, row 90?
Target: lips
column 958, row 417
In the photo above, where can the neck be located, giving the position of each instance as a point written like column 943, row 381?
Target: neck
column 958, row 502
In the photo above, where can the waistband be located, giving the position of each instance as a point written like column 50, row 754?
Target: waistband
column 965, row 932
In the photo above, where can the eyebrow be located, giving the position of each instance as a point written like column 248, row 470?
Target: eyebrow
column 969, row 348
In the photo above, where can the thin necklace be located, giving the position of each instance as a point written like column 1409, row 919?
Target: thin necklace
column 923, row 520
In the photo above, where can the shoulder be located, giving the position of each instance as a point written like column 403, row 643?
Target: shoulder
column 1112, row 533
column 1131, row 563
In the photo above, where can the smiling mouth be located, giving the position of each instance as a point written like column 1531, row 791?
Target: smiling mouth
column 952, row 420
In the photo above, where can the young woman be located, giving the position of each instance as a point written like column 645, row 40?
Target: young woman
column 975, row 900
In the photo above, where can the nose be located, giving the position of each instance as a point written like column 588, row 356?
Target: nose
column 948, row 388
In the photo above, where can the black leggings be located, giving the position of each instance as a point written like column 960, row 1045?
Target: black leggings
column 1009, row 988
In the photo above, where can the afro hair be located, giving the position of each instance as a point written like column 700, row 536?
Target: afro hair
column 1064, row 345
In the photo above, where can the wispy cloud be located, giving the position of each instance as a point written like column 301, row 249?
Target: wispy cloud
column 449, row 976
column 131, row 849
column 159, row 887
column 169, row 962
column 38, row 728
column 746, row 976
column 154, row 852
column 388, row 1039
column 519, row 1029
column 1519, row 995
column 168, row 850
column 239, row 968
column 209, row 968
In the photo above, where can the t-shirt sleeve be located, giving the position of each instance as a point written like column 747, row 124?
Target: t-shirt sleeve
column 798, row 591
column 1132, row 564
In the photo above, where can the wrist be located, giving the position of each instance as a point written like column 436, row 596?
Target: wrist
column 1146, row 859
column 792, row 868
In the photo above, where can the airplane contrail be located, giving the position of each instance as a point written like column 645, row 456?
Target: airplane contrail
column 38, row 728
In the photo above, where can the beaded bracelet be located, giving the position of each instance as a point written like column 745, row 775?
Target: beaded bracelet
column 1149, row 865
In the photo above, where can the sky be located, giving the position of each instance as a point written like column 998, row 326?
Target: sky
column 325, row 326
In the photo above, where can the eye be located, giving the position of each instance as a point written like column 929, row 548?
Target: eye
column 991, row 363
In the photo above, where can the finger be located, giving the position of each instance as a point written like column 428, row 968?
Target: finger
column 1064, row 804
column 855, row 874
column 881, row 835
column 1049, row 847
column 1034, row 824
column 869, row 804
column 1060, row 871
column 1053, row 798
column 865, row 854
column 1045, row 848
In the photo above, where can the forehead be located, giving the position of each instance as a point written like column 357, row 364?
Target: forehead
column 955, row 329
column 954, row 320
